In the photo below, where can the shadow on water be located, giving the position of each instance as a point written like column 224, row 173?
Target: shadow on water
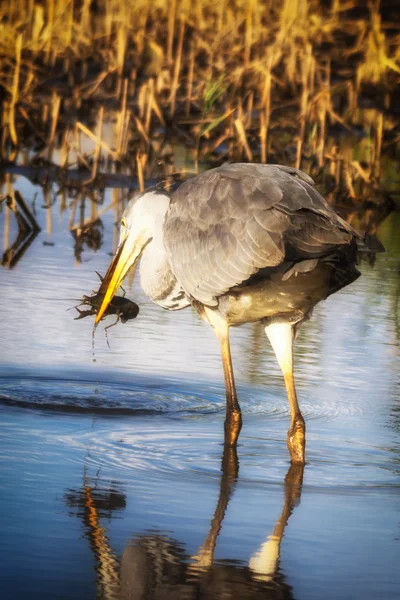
column 155, row 565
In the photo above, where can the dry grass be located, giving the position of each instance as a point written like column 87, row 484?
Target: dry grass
column 289, row 72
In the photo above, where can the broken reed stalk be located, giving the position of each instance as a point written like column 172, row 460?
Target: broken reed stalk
column 97, row 153
column 55, row 109
column 149, row 105
column 49, row 28
column 95, row 138
column 125, row 139
column 248, row 33
column 324, row 107
column 121, row 119
column 141, row 160
column 249, row 110
column 263, row 137
column 378, row 135
column 178, row 61
column 141, row 130
column 121, row 49
column 190, row 79
column 14, row 90
column 220, row 17
column 265, row 113
column 305, row 76
column 157, row 110
column 242, row 138
column 64, row 150
column 171, row 28
column 346, row 182
column 30, row 79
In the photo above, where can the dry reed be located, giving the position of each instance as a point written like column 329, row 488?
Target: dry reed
column 152, row 66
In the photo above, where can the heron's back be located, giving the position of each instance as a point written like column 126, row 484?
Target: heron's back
column 228, row 226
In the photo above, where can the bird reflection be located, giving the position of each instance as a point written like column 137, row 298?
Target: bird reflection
column 92, row 504
column 156, row 566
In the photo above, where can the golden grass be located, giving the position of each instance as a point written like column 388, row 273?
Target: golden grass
column 150, row 64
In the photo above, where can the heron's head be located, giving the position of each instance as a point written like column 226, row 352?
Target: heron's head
column 141, row 220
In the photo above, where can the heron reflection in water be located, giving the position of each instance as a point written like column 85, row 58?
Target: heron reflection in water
column 155, row 566
column 240, row 243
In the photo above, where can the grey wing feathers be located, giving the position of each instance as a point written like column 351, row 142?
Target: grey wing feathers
column 227, row 223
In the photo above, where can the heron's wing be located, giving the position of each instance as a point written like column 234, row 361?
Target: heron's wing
column 227, row 223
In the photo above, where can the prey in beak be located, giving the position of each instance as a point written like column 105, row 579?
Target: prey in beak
column 125, row 259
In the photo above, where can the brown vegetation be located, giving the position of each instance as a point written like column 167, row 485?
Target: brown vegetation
column 301, row 82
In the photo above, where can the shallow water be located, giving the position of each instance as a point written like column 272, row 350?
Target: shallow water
column 113, row 482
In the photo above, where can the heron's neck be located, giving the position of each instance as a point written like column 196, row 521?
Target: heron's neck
column 155, row 247
column 156, row 278
column 159, row 210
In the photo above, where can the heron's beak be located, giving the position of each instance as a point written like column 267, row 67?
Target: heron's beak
column 125, row 259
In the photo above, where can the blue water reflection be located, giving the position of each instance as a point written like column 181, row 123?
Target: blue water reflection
column 111, row 480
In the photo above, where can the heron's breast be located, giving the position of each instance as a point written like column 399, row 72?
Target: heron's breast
column 160, row 285
column 172, row 297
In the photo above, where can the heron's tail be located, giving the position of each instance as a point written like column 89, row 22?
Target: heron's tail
column 370, row 244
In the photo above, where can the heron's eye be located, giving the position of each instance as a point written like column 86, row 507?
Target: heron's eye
column 123, row 223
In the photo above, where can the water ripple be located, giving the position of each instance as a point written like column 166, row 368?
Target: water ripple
column 141, row 396
column 162, row 427
column 103, row 398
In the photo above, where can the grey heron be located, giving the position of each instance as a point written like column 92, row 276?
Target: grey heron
column 240, row 243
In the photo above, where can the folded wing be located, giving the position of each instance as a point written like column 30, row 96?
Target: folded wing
column 227, row 223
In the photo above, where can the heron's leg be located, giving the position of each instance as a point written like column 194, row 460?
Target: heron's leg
column 281, row 336
column 233, row 420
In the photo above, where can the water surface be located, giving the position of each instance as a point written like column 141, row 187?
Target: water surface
column 113, row 480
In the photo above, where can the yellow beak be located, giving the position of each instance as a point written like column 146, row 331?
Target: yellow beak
column 125, row 258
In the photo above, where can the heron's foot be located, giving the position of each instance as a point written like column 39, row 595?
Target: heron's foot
column 296, row 440
column 232, row 426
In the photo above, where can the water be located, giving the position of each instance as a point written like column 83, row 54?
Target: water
column 113, row 481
